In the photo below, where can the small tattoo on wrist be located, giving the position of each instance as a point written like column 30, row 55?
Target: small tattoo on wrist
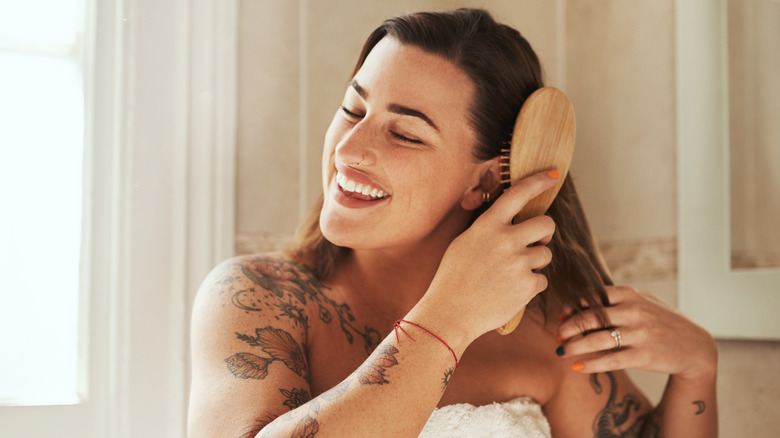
column 446, row 379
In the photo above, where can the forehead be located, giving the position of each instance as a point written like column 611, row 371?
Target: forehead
column 408, row 75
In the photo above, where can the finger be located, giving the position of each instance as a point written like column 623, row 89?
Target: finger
column 583, row 322
column 619, row 294
column 616, row 295
column 538, row 257
column 618, row 360
column 595, row 342
column 534, row 231
column 516, row 197
column 541, row 283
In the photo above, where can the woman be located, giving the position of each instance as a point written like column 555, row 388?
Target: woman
column 386, row 307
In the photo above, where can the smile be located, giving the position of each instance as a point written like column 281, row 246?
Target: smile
column 358, row 188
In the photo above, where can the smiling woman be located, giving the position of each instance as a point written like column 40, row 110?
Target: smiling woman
column 380, row 319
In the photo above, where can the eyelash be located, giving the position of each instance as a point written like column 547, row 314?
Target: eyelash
column 394, row 134
column 405, row 139
column 350, row 113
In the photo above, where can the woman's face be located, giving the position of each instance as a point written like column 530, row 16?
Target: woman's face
column 398, row 168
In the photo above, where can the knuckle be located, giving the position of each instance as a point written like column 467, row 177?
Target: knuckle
column 548, row 255
column 611, row 362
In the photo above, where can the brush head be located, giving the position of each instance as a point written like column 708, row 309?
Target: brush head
column 543, row 139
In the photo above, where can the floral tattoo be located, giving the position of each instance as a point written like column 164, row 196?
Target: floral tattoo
column 374, row 371
column 285, row 286
column 278, row 344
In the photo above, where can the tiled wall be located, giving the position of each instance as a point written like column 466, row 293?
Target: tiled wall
column 615, row 60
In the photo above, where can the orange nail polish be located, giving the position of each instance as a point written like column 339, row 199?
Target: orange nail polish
column 554, row 174
column 578, row 366
column 559, row 339
column 561, row 317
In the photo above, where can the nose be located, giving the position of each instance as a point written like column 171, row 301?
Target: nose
column 356, row 147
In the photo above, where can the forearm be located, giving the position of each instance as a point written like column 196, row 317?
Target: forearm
column 392, row 394
column 687, row 409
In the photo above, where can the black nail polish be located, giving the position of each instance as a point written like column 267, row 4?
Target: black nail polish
column 559, row 351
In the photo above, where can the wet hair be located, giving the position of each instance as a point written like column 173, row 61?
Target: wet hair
column 505, row 71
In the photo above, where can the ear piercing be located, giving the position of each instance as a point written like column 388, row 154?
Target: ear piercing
column 485, row 197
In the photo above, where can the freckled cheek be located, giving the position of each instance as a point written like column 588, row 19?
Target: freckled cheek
column 328, row 154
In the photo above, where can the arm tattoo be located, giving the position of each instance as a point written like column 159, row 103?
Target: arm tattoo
column 285, row 286
column 278, row 344
column 374, row 370
column 446, row 380
column 337, row 391
column 700, row 406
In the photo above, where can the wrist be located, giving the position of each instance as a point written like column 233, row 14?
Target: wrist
column 704, row 369
column 443, row 325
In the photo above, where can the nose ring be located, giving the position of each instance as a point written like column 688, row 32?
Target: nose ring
column 362, row 159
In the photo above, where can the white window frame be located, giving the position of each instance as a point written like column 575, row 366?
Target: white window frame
column 731, row 304
column 159, row 203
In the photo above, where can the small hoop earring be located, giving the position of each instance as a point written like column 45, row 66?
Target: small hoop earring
column 485, row 197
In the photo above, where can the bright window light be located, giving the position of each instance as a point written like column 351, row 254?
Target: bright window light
column 41, row 154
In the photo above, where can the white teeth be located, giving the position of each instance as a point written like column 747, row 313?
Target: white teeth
column 364, row 189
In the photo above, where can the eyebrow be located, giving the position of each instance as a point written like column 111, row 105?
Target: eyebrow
column 396, row 108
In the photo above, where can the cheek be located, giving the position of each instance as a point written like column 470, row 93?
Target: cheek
column 332, row 137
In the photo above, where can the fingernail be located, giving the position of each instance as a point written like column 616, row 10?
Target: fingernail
column 559, row 339
column 561, row 317
column 559, row 351
column 554, row 174
column 577, row 366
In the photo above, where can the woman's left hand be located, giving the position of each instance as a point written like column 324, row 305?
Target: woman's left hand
column 652, row 337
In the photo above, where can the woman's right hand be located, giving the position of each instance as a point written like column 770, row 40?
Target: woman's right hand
column 490, row 271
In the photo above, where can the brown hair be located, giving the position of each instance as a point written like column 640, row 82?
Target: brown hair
column 505, row 71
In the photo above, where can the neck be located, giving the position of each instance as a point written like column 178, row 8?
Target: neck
column 391, row 281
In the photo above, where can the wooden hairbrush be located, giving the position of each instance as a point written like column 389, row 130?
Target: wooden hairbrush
column 543, row 139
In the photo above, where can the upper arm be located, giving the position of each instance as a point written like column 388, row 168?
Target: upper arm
column 248, row 340
column 604, row 405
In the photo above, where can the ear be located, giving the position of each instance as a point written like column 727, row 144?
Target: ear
column 487, row 179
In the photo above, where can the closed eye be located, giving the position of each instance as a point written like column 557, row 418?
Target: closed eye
column 350, row 113
column 405, row 139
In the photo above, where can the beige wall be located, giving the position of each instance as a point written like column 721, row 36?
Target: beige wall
column 754, row 98
column 615, row 60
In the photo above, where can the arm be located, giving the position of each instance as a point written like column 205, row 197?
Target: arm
column 654, row 338
column 248, row 375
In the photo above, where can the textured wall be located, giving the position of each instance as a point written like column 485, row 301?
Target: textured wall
column 615, row 59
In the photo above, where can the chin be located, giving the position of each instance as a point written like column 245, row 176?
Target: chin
column 337, row 231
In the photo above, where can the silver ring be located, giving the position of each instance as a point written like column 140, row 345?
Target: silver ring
column 616, row 336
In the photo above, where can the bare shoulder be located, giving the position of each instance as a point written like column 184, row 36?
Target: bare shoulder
column 265, row 285
column 249, row 344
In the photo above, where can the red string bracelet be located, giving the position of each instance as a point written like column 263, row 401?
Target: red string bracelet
column 397, row 326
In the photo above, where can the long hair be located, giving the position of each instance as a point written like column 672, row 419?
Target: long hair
column 505, row 71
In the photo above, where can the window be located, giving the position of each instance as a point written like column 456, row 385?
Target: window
column 157, row 105
column 41, row 155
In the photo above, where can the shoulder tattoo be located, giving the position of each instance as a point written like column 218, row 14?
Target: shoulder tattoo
column 284, row 288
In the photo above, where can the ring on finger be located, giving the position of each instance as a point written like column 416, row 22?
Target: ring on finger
column 616, row 336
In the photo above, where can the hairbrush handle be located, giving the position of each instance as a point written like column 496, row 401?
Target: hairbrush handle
column 543, row 139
